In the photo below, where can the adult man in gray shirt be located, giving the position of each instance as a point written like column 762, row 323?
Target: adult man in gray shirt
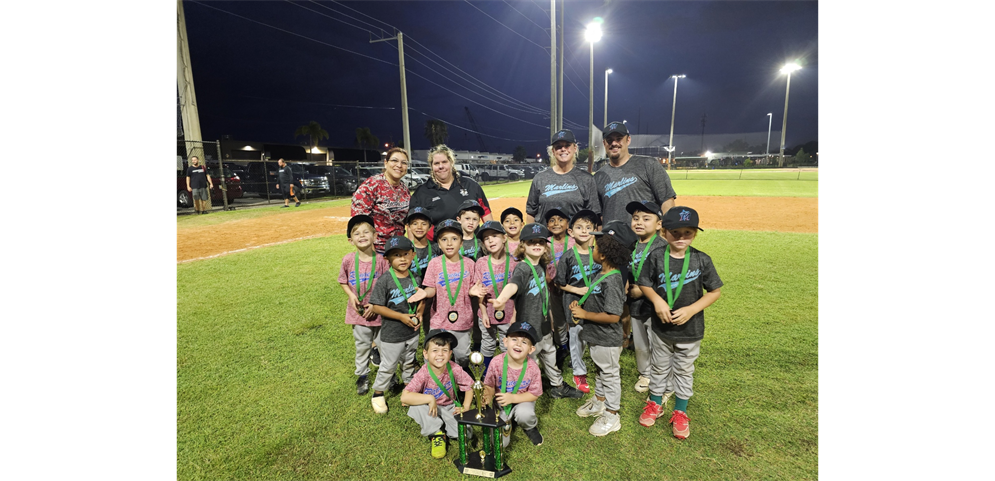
column 626, row 177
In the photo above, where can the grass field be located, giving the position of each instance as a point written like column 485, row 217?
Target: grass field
column 265, row 387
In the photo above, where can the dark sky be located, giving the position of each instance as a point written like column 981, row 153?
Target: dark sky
column 268, row 67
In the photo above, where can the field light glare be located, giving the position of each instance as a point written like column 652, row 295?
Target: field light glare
column 593, row 32
column 791, row 67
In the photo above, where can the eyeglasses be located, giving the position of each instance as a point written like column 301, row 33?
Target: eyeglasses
column 402, row 162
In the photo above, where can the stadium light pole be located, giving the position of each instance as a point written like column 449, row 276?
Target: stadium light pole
column 606, row 95
column 673, row 110
column 787, row 69
column 770, row 119
column 592, row 35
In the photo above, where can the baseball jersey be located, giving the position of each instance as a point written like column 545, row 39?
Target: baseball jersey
column 607, row 296
column 557, row 248
column 640, row 178
column 568, row 273
column 386, row 204
column 198, row 177
column 386, row 293
column 531, row 296
column 420, row 262
column 434, row 277
column 472, row 248
column 701, row 276
column 570, row 192
column 532, row 383
column 482, row 273
column 642, row 307
column 347, row 275
column 422, row 383
column 442, row 203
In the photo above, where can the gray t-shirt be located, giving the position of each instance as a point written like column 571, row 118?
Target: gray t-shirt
column 472, row 248
column 386, row 293
column 607, row 296
column 420, row 263
column 701, row 277
column 568, row 274
column 640, row 178
column 531, row 296
column 642, row 307
column 570, row 192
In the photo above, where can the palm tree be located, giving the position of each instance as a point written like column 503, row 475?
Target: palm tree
column 313, row 132
column 436, row 131
column 365, row 137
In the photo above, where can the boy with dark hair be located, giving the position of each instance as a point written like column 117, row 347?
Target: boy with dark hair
column 512, row 221
column 469, row 215
column 574, row 273
column 646, row 224
column 448, row 279
column 515, row 384
column 556, row 223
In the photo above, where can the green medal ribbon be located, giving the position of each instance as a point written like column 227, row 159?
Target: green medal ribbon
column 535, row 277
column 518, row 384
column 452, row 378
column 672, row 296
column 639, row 268
column 411, row 309
column 590, row 288
column 580, row 265
column 507, row 262
column 476, row 249
column 369, row 281
column 445, row 273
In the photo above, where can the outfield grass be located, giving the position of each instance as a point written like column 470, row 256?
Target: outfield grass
column 265, row 387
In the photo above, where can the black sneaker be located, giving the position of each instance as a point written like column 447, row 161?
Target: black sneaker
column 375, row 357
column 362, row 385
column 298, row 204
column 284, row 207
column 565, row 391
column 534, row 435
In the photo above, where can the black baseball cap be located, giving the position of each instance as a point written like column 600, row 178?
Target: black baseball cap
column 644, row 206
column 534, row 231
column 511, row 210
column 417, row 212
column 490, row 225
column 585, row 214
column 620, row 231
column 470, row 205
column 555, row 211
column 398, row 243
column 528, row 329
column 448, row 224
column 680, row 216
column 613, row 128
column 359, row 219
column 441, row 333
column 565, row 135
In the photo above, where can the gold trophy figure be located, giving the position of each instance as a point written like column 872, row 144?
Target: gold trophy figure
column 477, row 367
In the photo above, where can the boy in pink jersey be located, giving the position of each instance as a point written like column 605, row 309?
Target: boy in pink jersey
column 514, row 383
column 492, row 272
column 448, row 279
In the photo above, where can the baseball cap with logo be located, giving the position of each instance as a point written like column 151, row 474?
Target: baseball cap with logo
column 416, row 213
column 524, row 327
column 470, row 205
column 534, row 231
column 441, row 333
column 448, row 224
column 615, row 127
column 680, row 216
column 565, row 135
column 510, row 211
column 359, row 219
column 644, row 206
column 491, row 225
column 585, row 214
column 620, row 231
column 398, row 243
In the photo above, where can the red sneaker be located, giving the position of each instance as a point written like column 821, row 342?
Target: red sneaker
column 581, row 383
column 650, row 413
column 682, row 426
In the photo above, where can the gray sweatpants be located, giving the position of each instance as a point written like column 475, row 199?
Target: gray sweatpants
column 443, row 421
column 641, row 340
column 560, row 333
column 522, row 413
column 364, row 337
column 673, row 367
column 609, row 382
column 545, row 353
column 577, row 351
column 492, row 337
column 392, row 355
column 462, row 352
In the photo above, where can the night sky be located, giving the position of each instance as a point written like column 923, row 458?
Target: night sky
column 266, row 68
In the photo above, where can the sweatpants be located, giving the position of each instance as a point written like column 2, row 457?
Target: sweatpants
column 545, row 353
column 673, row 366
column 560, row 333
column 641, row 340
column 577, row 351
column 364, row 336
column 522, row 413
column 492, row 337
column 443, row 421
column 392, row 355
column 609, row 381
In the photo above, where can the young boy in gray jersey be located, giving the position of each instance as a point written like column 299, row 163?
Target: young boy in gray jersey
column 645, row 224
column 574, row 273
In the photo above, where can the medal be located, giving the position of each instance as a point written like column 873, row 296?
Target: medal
column 499, row 315
column 361, row 310
column 453, row 316
column 671, row 294
column 411, row 309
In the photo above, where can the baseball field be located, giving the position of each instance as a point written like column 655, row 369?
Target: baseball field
column 265, row 388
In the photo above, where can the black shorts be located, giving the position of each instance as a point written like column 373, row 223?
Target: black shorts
column 286, row 191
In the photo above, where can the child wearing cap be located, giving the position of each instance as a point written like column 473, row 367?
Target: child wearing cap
column 433, row 393
column 448, row 279
column 395, row 298
column 511, row 220
column 556, row 222
column 681, row 282
column 574, row 273
column 601, row 309
column 418, row 223
column 646, row 224
column 469, row 215
column 492, row 273
column 356, row 277
column 532, row 302
column 514, row 383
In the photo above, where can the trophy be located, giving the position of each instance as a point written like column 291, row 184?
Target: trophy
column 489, row 462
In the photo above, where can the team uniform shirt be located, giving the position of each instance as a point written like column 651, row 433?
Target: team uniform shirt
column 434, row 278
column 472, row 248
column 530, row 296
column 198, row 177
column 386, row 204
column 568, row 273
column 420, row 263
column 442, row 204
column 640, row 178
column 701, row 276
column 570, row 192
column 347, row 275
column 642, row 307
column 422, row 383
column 607, row 296
column 557, row 248
column 386, row 293
column 482, row 274
column 532, row 383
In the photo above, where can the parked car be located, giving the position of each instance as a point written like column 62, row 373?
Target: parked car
column 363, row 172
column 345, row 182
column 416, row 176
column 468, row 170
column 531, row 170
column 261, row 175
column 500, row 172
column 233, row 183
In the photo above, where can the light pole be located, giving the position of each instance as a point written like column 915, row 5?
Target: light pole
column 592, row 35
column 673, row 110
column 606, row 95
column 770, row 118
column 791, row 67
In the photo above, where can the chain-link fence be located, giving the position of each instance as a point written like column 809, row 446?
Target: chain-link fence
column 207, row 153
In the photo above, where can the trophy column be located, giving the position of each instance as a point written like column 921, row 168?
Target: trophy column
column 489, row 462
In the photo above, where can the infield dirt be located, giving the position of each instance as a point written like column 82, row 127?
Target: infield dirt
column 777, row 214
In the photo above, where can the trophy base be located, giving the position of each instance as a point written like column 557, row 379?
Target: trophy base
column 481, row 467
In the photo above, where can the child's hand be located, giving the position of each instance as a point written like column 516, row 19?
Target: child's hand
column 485, row 318
column 417, row 296
column 433, row 409
column 581, row 291
column 368, row 313
column 354, row 302
column 498, row 304
column 635, row 292
column 681, row 316
column 577, row 311
column 662, row 310
column 476, row 291
column 412, row 320
column 504, row 398
column 458, row 410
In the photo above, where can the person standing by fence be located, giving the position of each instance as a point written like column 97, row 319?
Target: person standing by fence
column 199, row 185
column 285, row 184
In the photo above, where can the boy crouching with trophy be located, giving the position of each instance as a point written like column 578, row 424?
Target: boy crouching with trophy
column 514, row 383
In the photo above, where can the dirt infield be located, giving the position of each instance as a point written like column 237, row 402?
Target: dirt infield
column 780, row 214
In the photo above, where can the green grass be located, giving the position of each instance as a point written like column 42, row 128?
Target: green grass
column 218, row 216
column 265, row 387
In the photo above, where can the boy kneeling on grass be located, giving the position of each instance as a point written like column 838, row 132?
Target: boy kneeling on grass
column 433, row 392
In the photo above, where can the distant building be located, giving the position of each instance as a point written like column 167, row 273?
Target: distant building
column 470, row 157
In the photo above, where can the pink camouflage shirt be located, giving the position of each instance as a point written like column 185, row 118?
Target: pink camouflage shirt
column 422, row 383
column 442, row 306
column 347, row 275
column 531, row 384
column 482, row 274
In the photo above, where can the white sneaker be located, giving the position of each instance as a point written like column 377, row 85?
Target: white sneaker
column 606, row 423
column 643, row 384
column 379, row 405
column 593, row 407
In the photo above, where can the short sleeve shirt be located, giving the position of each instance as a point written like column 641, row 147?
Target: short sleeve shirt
column 422, row 383
column 640, row 178
column 642, row 307
column 531, row 296
column 347, row 275
column 198, row 177
column 386, row 204
column 434, row 277
column 607, row 296
column 420, row 262
column 532, row 383
column 570, row 192
column 701, row 277
column 482, row 273
column 472, row 248
column 568, row 273
column 386, row 293
column 557, row 248
column 284, row 175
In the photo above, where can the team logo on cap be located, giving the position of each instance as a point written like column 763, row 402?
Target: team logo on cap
column 561, row 135
column 613, row 125
column 536, row 229
column 611, row 231
column 393, row 242
column 526, row 325
column 685, row 216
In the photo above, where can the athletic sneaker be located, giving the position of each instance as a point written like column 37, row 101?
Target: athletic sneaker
column 682, row 426
column 284, row 207
column 438, row 445
column 298, row 204
column 565, row 390
column 607, row 423
column 643, row 384
column 380, row 404
column 375, row 357
column 593, row 407
column 650, row 413
column 362, row 385
column 534, row 435
column 581, row 382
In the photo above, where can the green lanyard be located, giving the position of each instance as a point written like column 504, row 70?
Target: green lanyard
column 411, row 309
column 639, row 268
column 452, row 379
column 580, row 265
column 369, row 281
column 672, row 296
column 518, row 384
column 590, row 288
column 507, row 262
column 476, row 250
column 535, row 277
column 445, row 273
column 414, row 265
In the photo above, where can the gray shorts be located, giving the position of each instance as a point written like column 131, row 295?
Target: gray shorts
column 201, row 194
